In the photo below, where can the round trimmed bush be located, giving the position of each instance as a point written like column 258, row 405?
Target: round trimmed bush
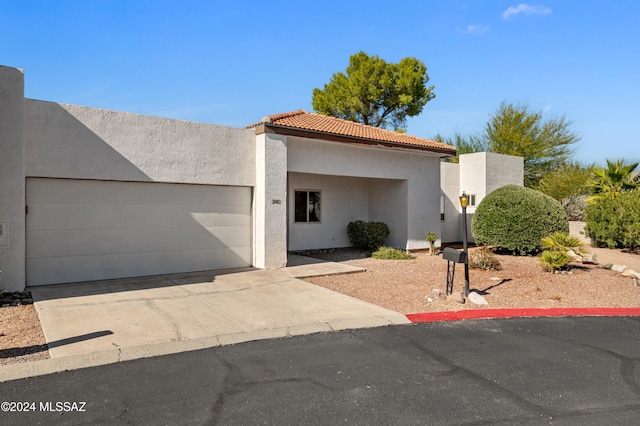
column 515, row 219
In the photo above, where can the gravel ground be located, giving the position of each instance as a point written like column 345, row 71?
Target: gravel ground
column 404, row 285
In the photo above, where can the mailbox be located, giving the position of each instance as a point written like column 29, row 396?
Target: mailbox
column 454, row 255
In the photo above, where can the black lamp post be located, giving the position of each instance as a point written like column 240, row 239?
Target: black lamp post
column 464, row 200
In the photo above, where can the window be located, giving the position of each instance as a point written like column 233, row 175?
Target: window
column 441, row 207
column 307, row 206
column 472, row 199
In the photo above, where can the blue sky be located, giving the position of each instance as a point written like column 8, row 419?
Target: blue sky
column 231, row 63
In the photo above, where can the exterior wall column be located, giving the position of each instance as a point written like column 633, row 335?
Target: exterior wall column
column 270, row 202
column 12, row 180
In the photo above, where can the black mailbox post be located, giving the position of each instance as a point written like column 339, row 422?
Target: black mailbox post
column 452, row 256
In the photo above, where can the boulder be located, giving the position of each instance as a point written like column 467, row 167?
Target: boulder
column 619, row 268
column 477, row 299
column 573, row 255
column 590, row 259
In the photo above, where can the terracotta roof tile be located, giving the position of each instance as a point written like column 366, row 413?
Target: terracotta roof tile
column 322, row 123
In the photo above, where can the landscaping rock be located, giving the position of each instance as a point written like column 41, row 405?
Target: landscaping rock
column 477, row 299
column 437, row 294
column 16, row 298
column 636, row 282
column 590, row 259
column 628, row 273
column 618, row 268
column 608, row 265
column 573, row 255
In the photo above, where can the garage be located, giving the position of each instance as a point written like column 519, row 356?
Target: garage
column 84, row 230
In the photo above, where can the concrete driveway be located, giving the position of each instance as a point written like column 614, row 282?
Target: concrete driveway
column 169, row 313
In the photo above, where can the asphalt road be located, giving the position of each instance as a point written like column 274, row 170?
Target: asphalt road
column 564, row 371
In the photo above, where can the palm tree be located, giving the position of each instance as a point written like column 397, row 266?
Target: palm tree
column 617, row 177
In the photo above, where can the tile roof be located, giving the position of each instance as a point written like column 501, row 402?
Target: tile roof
column 313, row 122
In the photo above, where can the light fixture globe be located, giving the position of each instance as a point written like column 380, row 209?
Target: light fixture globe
column 464, row 200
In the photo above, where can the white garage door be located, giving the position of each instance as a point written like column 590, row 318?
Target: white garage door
column 81, row 230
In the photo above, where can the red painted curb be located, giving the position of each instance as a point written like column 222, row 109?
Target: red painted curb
column 515, row 313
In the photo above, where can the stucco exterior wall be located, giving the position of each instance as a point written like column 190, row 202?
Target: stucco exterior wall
column 388, row 203
column 12, row 182
column 270, row 201
column 68, row 141
column 412, row 212
column 342, row 200
column 450, row 184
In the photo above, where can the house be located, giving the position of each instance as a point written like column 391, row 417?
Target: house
column 89, row 194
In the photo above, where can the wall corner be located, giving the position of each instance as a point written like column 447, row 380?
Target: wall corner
column 12, row 180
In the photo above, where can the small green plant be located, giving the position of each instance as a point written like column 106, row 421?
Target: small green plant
column 483, row 258
column 561, row 241
column 367, row 235
column 390, row 253
column 557, row 247
column 431, row 237
column 553, row 260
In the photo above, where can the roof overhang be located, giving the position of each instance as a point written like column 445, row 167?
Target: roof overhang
column 332, row 137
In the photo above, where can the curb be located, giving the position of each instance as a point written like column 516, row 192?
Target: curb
column 25, row 370
column 519, row 313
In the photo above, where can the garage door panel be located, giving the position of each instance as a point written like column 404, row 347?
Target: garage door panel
column 100, row 267
column 108, row 216
column 89, row 230
column 105, row 192
column 123, row 241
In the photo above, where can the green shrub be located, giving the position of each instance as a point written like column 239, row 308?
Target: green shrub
column 391, row 253
column 561, row 241
column 614, row 221
column 367, row 235
column 483, row 258
column 557, row 247
column 553, row 260
column 514, row 219
column 574, row 207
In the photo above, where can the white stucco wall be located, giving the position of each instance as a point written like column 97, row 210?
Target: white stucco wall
column 270, row 202
column 12, row 182
column 68, row 141
column 503, row 170
column 450, row 184
column 412, row 211
column 342, row 200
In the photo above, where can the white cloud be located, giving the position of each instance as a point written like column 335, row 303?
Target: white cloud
column 477, row 29
column 526, row 9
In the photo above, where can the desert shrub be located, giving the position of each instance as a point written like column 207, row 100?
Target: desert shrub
column 574, row 207
column 391, row 253
column 557, row 246
column 561, row 241
column 553, row 260
column 614, row 221
column 367, row 235
column 514, row 219
column 483, row 258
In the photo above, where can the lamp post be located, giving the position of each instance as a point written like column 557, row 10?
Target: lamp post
column 464, row 200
